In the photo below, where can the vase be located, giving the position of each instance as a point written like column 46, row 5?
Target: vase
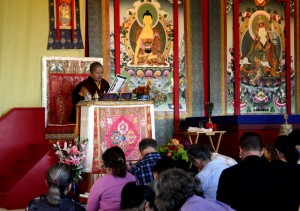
column 74, row 192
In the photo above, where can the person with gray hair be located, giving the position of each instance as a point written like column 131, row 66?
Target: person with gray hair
column 142, row 170
column 209, row 168
column 59, row 180
column 179, row 191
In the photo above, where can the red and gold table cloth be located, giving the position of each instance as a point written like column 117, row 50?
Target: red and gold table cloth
column 114, row 123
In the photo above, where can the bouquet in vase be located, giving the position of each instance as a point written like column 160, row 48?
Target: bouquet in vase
column 73, row 154
column 174, row 150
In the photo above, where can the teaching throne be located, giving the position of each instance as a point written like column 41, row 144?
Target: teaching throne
column 60, row 76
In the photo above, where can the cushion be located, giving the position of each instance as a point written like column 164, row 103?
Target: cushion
column 63, row 108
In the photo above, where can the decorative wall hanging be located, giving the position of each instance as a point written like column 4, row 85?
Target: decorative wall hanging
column 64, row 24
column 262, row 62
column 146, row 51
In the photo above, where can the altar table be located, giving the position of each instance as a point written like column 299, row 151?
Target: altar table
column 209, row 134
column 114, row 123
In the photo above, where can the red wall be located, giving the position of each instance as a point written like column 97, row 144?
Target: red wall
column 19, row 128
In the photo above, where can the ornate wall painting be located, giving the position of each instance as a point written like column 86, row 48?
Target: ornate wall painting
column 64, row 32
column 262, row 59
column 149, row 60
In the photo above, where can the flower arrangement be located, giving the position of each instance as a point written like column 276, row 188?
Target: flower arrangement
column 73, row 154
column 174, row 150
column 141, row 90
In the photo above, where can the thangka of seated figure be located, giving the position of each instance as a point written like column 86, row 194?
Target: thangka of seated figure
column 147, row 50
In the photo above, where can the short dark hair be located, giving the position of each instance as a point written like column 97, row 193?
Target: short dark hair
column 94, row 65
column 284, row 145
column 251, row 141
column 197, row 151
column 163, row 164
column 147, row 142
column 133, row 195
column 114, row 158
column 174, row 187
column 294, row 137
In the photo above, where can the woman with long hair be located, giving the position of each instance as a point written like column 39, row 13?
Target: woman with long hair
column 59, row 180
column 105, row 193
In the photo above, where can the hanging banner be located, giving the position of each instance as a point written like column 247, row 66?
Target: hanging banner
column 64, row 25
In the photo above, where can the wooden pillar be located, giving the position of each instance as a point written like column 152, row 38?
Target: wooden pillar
column 117, row 35
column 205, row 44
column 236, row 44
column 176, row 67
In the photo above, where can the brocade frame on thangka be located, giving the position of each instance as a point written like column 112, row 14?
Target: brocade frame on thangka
column 64, row 25
column 262, row 76
column 158, row 73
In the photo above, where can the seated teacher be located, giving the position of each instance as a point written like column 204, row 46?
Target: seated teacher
column 94, row 83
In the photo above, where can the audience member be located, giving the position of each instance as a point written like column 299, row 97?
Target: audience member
column 270, row 153
column 285, row 150
column 248, row 184
column 161, row 165
column 142, row 170
column 209, row 168
column 228, row 160
column 286, row 173
column 59, row 180
column 105, row 193
column 178, row 190
column 95, row 83
column 294, row 137
column 137, row 198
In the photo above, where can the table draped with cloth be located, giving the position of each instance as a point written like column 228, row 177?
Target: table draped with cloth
column 113, row 123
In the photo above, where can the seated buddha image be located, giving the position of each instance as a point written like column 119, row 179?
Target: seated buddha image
column 261, row 60
column 148, row 48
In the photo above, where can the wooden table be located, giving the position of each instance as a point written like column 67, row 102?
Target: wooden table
column 209, row 134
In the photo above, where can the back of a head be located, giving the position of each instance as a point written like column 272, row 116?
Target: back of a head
column 283, row 145
column 58, row 179
column 134, row 196
column 251, row 141
column 294, row 137
column 173, row 188
column 147, row 142
column 163, row 164
column 114, row 158
column 197, row 151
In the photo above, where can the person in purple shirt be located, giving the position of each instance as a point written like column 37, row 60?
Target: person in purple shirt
column 179, row 191
column 142, row 170
column 105, row 193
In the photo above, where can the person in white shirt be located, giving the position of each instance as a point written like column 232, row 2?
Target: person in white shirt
column 210, row 166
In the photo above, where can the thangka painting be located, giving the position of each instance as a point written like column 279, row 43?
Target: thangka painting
column 64, row 23
column 146, row 47
column 262, row 59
